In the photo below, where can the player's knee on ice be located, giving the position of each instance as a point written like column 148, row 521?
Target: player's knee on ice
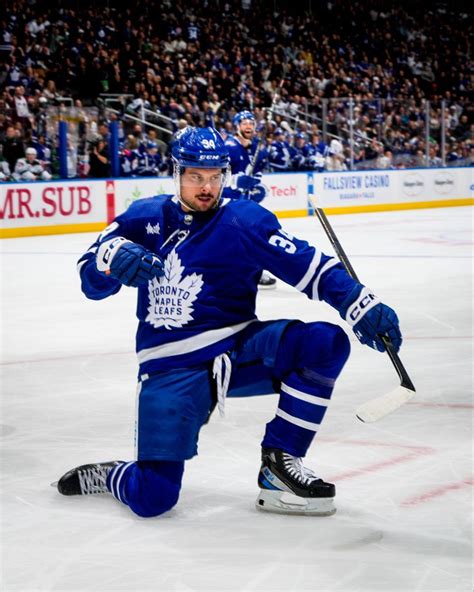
column 320, row 346
column 152, row 488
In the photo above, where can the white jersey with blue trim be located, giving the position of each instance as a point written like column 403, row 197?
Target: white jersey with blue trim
column 212, row 263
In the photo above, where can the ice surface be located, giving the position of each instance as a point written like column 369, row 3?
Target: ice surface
column 404, row 484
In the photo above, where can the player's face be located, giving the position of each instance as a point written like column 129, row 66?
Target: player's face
column 200, row 188
column 247, row 128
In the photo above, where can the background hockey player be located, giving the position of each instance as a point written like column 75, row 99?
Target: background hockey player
column 299, row 158
column 316, row 153
column 149, row 161
column 247, row 161
column 198, row 336
column 30, row 168
column 280, row 152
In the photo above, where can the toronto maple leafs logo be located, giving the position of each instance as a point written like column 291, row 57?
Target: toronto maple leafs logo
column 172, row 296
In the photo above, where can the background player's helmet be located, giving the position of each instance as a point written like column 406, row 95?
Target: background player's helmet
column 241, row 116
column 199, row 147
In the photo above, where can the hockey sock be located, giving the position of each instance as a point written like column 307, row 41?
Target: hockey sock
column 149, row 488
column 310, row 358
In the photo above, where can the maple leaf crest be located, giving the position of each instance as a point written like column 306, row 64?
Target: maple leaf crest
column 171, row 297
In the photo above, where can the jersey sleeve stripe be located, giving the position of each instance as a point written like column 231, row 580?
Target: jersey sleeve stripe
column 331, row 263
column 301, row 285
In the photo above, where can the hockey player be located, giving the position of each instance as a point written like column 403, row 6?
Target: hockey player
column 246, row 165
column 280, row 152
column 317, row 151
column 300, row 153
column 149, row 162
column 30, row 168
column 246, row 176
column 199, row 339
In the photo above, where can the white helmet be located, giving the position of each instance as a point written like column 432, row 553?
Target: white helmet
column 335, row 147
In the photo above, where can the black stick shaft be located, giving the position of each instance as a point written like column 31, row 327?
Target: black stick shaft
column 402, row 373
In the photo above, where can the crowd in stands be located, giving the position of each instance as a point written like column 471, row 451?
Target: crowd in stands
column 396, row 80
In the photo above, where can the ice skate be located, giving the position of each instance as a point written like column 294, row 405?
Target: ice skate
column 86, row 479
column 266, row 282
column 287, row 487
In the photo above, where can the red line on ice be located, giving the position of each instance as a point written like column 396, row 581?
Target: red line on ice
column 418, row 499
column 449, row 405
column 378, row 466
column 414, row 452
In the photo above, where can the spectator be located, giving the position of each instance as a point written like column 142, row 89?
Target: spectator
column 335, row 159
column 99, row 166
column 385, row 160
column 190, row 67
column 22, row 111
column 12, row 147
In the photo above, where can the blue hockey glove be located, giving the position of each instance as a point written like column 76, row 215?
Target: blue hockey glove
column 370, row 318
column 246, row 182
column 127, row 262
column 258, row 193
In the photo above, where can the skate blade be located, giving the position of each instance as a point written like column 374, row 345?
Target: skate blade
column 282, row 502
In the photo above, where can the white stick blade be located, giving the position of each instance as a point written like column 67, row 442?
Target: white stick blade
column 381, row 406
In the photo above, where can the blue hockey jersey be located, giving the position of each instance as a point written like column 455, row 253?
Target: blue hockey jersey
column 240, row 157
column 240, row 163
column 212, row 263
column 280, row 156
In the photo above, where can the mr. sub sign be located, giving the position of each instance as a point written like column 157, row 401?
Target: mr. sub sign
column 51, row 207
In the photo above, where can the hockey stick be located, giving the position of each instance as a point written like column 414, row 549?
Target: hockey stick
column 261, row 140
column 379, row 407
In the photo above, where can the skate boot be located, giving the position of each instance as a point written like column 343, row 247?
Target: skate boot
column 266, row 282
column 287, row 487
column 86, row 479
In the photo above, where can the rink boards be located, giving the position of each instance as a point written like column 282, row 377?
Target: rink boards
column 85, row 205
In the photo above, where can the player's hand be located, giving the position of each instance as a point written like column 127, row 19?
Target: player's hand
column 258, row 193
column 246, row 182
column 298, row 160
column 370, row 319
column 127, row 262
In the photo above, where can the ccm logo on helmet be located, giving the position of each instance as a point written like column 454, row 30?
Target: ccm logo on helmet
column 209, row 157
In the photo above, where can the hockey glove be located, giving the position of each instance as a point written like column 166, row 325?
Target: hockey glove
column 370, row 318
column 258, row 193
column 127, row 262
column 246, row 182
